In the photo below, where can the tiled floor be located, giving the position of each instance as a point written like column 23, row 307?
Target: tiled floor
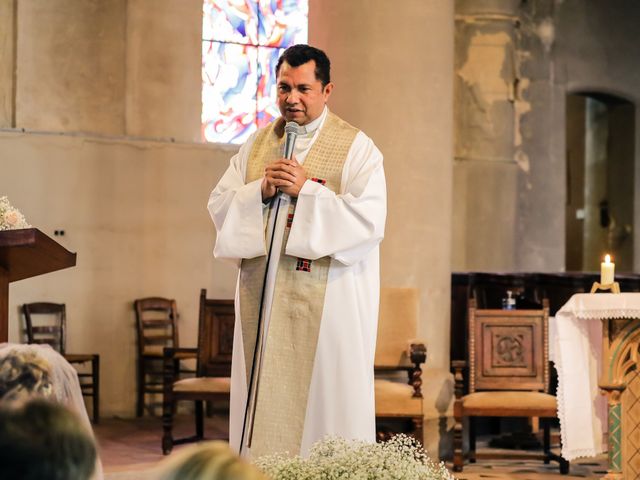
column 130, row 449
column 532, row 470
column 134, row 444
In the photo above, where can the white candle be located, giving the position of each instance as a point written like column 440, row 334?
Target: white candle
column 607, row 269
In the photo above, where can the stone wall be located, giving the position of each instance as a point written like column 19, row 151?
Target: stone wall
column 515, row 64
column 392, row 67
column 100, row 106
column 595, row 49
column 135, row 213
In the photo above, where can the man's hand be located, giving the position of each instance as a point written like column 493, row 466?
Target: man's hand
column 288, row 176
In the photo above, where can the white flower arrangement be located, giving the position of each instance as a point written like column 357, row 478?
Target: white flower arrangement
column 400, row 458
column 10, row 217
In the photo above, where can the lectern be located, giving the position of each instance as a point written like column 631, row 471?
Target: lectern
column 26, row 253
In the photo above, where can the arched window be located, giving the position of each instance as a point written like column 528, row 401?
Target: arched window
column 241, row 43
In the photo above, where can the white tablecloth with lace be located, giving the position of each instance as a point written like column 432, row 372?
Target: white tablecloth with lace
column 575, row 346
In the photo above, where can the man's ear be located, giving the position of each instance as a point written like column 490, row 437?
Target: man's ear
column 326, row 91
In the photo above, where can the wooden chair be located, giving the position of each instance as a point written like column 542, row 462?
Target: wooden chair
column 47, row 324
column 157, row 327
column 212, row 382
column 508, row 376
column 398, row 402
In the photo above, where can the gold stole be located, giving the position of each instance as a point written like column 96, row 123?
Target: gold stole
column 296, row 311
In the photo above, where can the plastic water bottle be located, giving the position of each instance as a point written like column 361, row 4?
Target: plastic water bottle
column 509, row 302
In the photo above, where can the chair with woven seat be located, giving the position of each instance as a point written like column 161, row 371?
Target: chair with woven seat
column 508, row 376
column 46, row 323
column 157, row 327
column 212, row 382
column 399, row 403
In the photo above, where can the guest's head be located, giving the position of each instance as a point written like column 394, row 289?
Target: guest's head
column 44, row 441
column 24, row 374
column 208, row 461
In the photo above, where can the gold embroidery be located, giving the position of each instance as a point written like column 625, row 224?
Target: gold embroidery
column 298, row 303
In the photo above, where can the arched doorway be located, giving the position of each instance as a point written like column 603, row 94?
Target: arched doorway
column 600, row 130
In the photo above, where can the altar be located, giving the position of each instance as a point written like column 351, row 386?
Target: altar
column 594, row 342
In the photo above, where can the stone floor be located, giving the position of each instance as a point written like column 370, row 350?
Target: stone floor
column 130, row 450
column 532, row 470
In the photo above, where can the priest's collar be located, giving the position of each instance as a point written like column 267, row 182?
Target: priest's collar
column 304, row 130
column 313, row 125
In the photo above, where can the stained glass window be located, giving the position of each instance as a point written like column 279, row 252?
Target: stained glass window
column 241, row 43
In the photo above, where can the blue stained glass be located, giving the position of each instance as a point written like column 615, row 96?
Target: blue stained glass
column 266, row 98
column 242, row 41
column 229, row 79
column 230, row 21
column 283, row 22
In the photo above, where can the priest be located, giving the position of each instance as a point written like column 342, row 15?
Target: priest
column 305, row 232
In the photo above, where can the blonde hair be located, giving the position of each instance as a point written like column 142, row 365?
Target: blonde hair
column 24, row 374
column 208, row 461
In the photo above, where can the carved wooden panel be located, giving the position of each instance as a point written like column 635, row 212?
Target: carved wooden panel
column 509, row 350
column 216, row 337
column 225, row 346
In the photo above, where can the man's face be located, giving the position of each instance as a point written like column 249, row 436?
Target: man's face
column 301, row 96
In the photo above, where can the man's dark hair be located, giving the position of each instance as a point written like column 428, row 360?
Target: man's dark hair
column 297, row 55
column 44, row 440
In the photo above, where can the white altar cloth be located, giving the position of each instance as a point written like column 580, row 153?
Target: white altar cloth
column 575, row 346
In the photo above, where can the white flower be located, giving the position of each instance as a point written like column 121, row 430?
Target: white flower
column 10, row 218
column 401, row 458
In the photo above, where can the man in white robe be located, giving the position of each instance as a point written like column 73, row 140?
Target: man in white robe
column 306, row 234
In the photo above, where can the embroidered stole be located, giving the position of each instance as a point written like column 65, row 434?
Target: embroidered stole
column 290, row 347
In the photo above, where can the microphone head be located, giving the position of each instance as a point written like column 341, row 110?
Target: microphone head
column 292, row 127
column 291, row 131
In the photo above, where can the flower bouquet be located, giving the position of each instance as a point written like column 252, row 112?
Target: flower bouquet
column 10, row 217
column 400, row 458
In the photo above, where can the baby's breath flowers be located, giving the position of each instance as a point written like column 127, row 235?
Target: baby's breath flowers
column 401, row 458
column 11, row 218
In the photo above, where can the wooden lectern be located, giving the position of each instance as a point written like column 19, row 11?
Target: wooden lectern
column 26, row 253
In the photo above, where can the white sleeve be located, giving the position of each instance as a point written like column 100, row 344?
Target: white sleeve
column 236, row 209
column 345, row 226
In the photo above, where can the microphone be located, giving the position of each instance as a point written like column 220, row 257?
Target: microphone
column 291, row 130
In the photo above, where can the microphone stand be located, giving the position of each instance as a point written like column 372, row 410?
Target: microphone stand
column 291, row 130
column 254, row 379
